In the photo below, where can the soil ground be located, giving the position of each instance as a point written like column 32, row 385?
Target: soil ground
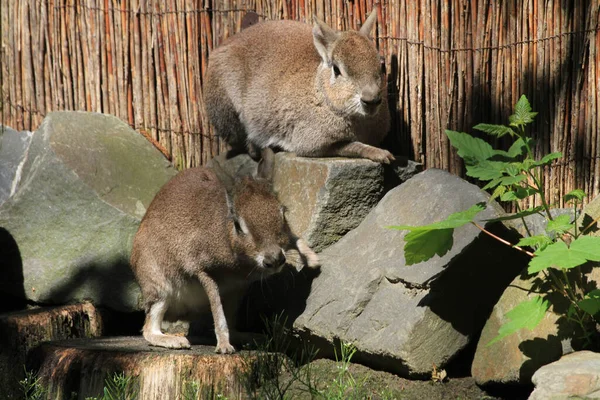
column 371, row 384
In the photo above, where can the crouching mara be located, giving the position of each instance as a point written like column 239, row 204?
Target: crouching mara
column 311, row 90
column 202, row 241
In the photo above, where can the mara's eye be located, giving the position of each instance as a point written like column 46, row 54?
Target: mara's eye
column 336, row 70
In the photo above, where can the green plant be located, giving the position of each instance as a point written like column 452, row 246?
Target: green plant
column 119, row 386
column 558, row 255
column 32, row 387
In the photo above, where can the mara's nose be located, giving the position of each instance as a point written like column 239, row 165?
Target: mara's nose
column 274, row 260
column 371, row 101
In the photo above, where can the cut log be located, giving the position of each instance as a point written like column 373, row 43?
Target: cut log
column 83, row 366
column 24, row 330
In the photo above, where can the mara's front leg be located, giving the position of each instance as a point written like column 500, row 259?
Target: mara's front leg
column 216, row 308
column 360, row 150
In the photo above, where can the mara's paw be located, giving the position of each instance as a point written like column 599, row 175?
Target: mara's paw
column 379, row 155
column 168, row 341
column 312, row 260
column 224, row 348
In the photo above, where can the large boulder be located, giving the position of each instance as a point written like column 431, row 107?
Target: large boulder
column 409, row 318
column 514, row 359
column 575, row 375
column 13, row 152
column 66, row 232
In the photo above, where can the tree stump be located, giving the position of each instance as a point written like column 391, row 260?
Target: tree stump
column 82, row 366
column 23, row 330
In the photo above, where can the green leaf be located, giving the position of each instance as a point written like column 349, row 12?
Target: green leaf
column 560, row 224
column 486, row 170
column 498, row 192
column 421, row 245
column 423, row 242
column 454, row 220
column 518, row 194
column 558, row 255
column 591, row 303
column 495, row 130
column 540, row 241
column 523, row 114
column 524, row 213
column 547, row 159
column 470, row 148
column 526, row 314
column 576, row 194
column 518, row 147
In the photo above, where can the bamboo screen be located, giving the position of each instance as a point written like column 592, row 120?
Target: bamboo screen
column 450, row 63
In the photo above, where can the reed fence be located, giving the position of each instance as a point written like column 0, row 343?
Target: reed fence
column 451, row 64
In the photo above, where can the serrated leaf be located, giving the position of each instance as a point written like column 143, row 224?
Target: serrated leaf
column 538, row 241
column 591, row 303
column 423, row 242
column 469, row 147
column 558, row 255
column 523, row 114
column 547, row 159
column 492, row 184
column 518, row 147
column 526, row 314
column 518, row 194
column 560, row 224
column 495, row 130
column 499, row 191
column 576, row 194
column 486, row 170
column 421, row 245
column 524, row 213
column 454, row 220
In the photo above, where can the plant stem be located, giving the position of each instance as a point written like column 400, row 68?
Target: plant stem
column 523, row 220
column 506, row 242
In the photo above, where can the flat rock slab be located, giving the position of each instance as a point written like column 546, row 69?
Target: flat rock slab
column 576, row 375
column 22, row 331
column 66, row 232
column 82, row 366
column 408, row 318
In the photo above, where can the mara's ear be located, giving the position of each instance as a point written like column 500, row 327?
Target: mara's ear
column 266, row 165
column 369, row 23
column 323, row 37
column 223, row 176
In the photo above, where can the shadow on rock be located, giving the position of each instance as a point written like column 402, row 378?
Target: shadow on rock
column 284, row 294
column 12, row 273
column 460, row 294
column 109, row 284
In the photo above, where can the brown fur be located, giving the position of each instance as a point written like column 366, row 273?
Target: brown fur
column 275, row 85
column 201, row 240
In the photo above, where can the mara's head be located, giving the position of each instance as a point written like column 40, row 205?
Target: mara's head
column 261, row 234
column 350, row 75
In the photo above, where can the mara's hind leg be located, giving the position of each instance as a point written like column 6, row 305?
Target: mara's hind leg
column 223, row 116
column 152, row 332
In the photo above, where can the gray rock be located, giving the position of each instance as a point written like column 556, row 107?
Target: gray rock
column 325, row 197
column 514, row 359
column 575, row 375
column 13, row 152
column 66, row 232
column 408, row 318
